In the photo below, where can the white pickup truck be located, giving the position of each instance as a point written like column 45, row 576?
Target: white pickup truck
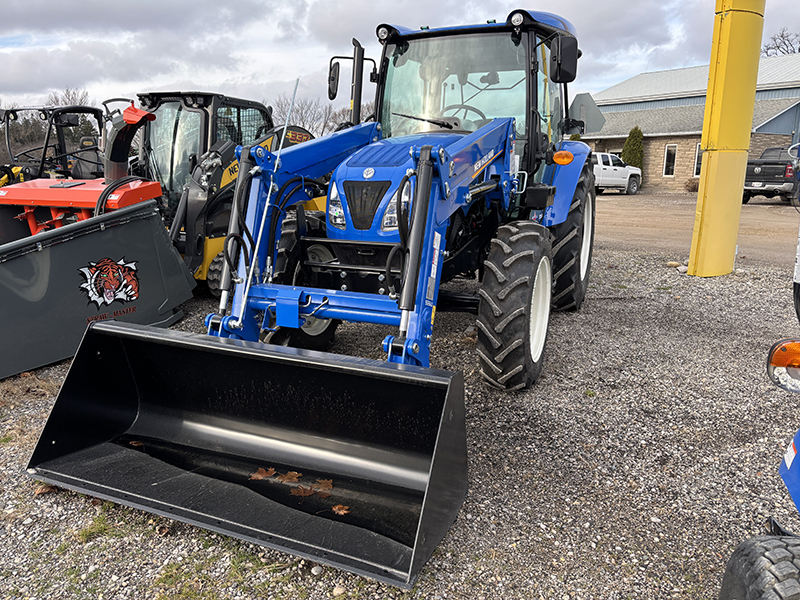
column 611, row 173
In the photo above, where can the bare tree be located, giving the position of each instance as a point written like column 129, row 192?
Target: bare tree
column 782, row 42
column 70, row 96
column 317, row 117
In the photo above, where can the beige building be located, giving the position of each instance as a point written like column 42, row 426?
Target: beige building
column 668, row 107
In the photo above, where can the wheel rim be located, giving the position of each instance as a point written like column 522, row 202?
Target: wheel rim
column 540, row 309
column 586, row 239
column 312, row 325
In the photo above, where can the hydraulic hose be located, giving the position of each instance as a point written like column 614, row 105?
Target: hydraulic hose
column 100, row 207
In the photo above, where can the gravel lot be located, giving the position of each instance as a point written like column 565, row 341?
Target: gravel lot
column 646, row 452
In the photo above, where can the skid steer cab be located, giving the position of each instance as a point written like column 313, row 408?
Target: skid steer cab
column 463, row 173
column 189, row 149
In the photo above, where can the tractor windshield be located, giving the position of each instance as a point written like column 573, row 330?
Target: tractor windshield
column 474, row 78
column 172, row 138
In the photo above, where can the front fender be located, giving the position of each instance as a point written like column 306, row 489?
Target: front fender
column 565, row 179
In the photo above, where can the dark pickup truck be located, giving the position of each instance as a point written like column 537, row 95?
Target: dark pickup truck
column 774, row 174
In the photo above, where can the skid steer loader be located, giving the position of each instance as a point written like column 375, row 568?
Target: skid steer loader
column 77, row 250
column 352, row 462
column 189, row 150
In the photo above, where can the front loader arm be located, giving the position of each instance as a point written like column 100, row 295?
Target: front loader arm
column 263, row 212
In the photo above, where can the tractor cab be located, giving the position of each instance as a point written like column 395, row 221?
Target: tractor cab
column 52, row 141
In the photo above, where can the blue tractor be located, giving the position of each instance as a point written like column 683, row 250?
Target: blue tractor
column 464, row 171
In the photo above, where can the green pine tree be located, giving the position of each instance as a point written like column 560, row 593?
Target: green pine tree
column 633, row 150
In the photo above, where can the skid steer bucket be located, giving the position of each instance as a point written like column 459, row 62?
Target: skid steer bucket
column 119, row 265
column 356, row 463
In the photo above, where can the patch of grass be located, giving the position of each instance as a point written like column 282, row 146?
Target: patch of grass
column 62, row 548
column 666, row 288
column 590, row 393
column 98, row 528
column 5, row 439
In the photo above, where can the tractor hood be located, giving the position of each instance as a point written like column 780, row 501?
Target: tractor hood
column 367, row 181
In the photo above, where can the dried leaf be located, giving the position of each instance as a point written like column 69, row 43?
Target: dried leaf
column 323, row 494
column 162, row 530
column 136, row 443
column 26, row 374
column 302, row 491
column 95, row 502
column 45, row 489
column 340, row 510
column 290, row 477
column 323, row 484
column 262, row 473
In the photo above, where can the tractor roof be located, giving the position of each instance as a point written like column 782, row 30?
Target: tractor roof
column 531, row 19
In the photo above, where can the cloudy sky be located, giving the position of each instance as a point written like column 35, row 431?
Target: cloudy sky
column 256, row 49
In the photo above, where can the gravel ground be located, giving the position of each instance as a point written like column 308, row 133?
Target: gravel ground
column 646, row 452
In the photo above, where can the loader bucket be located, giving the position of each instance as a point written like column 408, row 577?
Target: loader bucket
column 120, row 265
column 351, row 462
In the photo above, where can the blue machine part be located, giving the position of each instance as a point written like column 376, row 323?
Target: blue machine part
column 457, row 162
column 564, row 178
column 790, row 469
column 544, row 18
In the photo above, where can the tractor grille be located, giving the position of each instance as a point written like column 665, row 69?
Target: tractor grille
column 363, row 198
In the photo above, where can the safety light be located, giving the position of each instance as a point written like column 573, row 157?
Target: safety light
column 383, row 33
column 43, row 115
column 563, row 157
column 783, row 365
column 516, row 19
column 335, row 209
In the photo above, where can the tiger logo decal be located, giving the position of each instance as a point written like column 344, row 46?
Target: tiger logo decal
column 108, row 281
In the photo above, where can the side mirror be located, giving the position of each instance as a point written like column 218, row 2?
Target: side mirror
column 68, row 120
column 564, row 59
column 333, row 80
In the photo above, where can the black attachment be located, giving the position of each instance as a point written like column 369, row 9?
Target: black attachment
column 351, row 462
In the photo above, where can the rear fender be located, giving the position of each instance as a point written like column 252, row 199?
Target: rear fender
column 565, row 179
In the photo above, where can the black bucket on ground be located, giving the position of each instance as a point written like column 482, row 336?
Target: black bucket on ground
column 120, row 265
column 356, row 463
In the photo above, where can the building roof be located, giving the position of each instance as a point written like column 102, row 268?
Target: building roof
column 774, row 72
column 679, row 120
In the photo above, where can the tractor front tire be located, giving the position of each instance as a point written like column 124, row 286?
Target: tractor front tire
column 315, row 334
column 514, row 307
column 572, row 246
column 763, row 568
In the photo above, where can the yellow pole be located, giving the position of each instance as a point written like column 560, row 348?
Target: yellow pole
column 727, row 123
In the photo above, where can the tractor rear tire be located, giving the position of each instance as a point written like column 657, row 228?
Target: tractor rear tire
column 572, row 246
column 762, row 568
column 214, row 275
column 315, row 334
column 514, row 307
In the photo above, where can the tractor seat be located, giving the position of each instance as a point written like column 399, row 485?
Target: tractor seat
column 88, row 163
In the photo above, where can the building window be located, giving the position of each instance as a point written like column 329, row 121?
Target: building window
column 698, row 160
column 669, row 160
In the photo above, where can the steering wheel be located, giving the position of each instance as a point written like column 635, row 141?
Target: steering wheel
column 465, row 108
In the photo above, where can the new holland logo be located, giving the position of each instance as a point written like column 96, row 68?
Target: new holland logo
column 369, row 172
column 107, row 281
column 482, row 162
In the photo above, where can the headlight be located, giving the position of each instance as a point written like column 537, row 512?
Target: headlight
column 389, row 222
column 335, row 209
